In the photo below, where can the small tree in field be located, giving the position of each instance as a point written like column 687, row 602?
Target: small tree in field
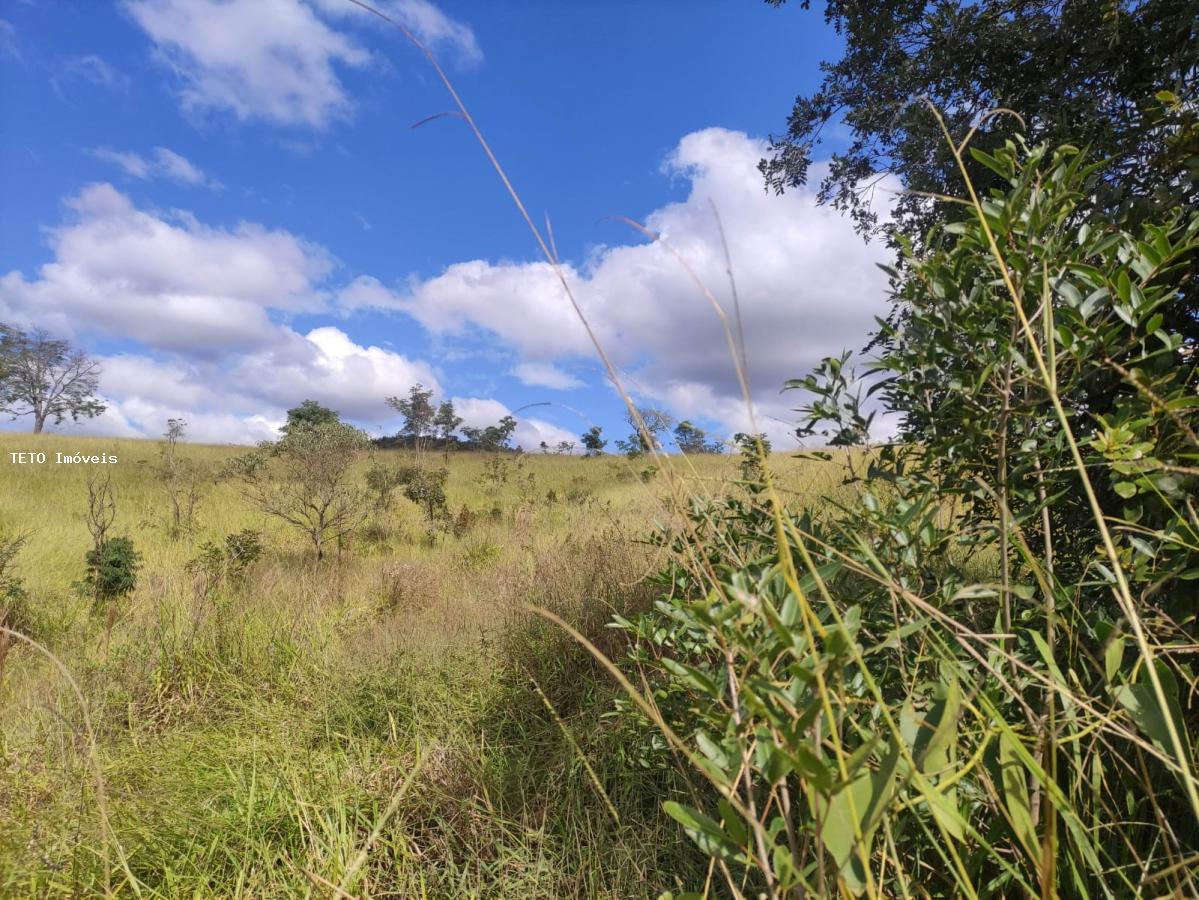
column 593, row 444
column 14, row 600
column 308, row 414
column 382, row 480
column 419, row 414
column 754, row 450
column 112, row 570
column 426, row 488
column 693, row 439
column 648, row 424
column 445, row 423
column 304, row 480
column 113, row 562
column 47, row 379
column 181, row 478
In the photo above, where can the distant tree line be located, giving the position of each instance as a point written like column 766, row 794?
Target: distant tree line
column 50, row 381
column 429, row 426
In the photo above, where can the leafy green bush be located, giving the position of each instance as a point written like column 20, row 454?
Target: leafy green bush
column 383, row 480
column 227, row 561
column 494, row 475
column 973, row 679
column 754, row 450
column 426, row 488
column 112, row 569
column 14, row 599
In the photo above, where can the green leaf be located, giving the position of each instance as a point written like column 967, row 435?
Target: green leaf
column 1094, row 299
column 711, row 749
column 692, row 677
column 1125, row 489
column 732, row 822
column 944, row 809
column 1142, row 546
column 1113, row 656
column 857, row 808
column 1070, row 293
column 1140, row 700
column 703, row 830
column 999, row 167
column 1015, row 794
column 1124, row 287
column 809, row 766
column 943, row 717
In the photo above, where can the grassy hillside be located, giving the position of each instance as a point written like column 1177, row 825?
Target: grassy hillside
column 393, row 721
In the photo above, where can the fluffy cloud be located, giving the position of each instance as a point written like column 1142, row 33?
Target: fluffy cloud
column 166, row 281
column 807, row 287
column 210, row 306
column 200, row 300
column 244, row 398
column 327, row 366
column 522, row 303
column 163, row 163
column 538, row 374
column 277, row 60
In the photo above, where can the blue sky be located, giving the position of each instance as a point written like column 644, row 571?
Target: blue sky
column 226, row 201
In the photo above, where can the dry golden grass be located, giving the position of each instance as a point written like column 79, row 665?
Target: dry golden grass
column 251, row 736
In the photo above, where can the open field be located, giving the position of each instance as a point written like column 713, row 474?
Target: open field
column 949, row 650
column 254, row 738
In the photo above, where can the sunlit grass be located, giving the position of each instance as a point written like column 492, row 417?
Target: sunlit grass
column 251, row 737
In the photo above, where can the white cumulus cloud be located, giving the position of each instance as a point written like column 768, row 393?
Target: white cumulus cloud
column 244, row 398
column 165, row 280
column 281, row 61
column 807, row 285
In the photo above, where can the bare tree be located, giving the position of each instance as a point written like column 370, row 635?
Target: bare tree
column 101, row 508
column 181, row 477
column 46, row 378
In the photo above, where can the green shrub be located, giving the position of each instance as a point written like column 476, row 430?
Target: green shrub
column 974, row 678
column 229, row 560
column 383, row 480
column 464, row 521
column 479, row 553
column 754, row 450
column 15, row 611
column 426, row 488
column 112, row 569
